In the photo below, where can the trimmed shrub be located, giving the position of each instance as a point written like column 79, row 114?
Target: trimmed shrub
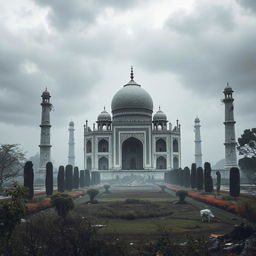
column 234, row 182
column 82, row 179
column 199, row 178
column 63, row 203
column 182, row 195
column 193, row 180
column 218, row 181
column 29, row 179
column 107, row 187
column 76, row 178
column 69, row 177
column 49, row 179
column 92, row 193
column 87, row 178
column 162, row 188
column 61, row 179
column 208, row 182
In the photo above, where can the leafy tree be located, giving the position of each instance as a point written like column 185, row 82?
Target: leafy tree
column 234, row 182
column 11, row 212
column 12, row 160
column 69, row 177
column 76, row 178
column 82, row 179
column 247, row 149
column 199, row 178
column 61, row 179
column 29, row 179
column 193, row 176
column 247, row 143
column 63, row 203
column 49, row 179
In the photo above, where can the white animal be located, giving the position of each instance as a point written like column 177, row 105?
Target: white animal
column 206, row 215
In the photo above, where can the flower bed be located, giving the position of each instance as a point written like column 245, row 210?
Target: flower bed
column 210, row 200
column 33, row 208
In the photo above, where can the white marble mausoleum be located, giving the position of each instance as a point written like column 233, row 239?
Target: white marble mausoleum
column 131, row 139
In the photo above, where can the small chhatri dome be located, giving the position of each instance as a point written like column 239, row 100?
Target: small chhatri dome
column 46, row 94
column 71, row 123
column 104, row 116
column 197, row 120
column 159, row 116
column 228, row 88
column 132, row 96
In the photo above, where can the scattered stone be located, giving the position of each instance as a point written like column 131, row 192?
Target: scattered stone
column 249, row 246
column 234, row 248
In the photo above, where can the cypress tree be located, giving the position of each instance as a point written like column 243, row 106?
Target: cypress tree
column 165, row 177
column 98, row 178
column 95, row 178
column 69, row 177
column 218, row 182
column 187, row 177
column 87, row 178
column 176, row 176
column 76, row 178
column 179, row 177
column 182, row 177
column 208, row 182
column 82, row 179
column 61, row 179
column 199, row 178
column 29, row 179
column 193, row 176
column 234, row 182
column 49, row 179
column 168, row 176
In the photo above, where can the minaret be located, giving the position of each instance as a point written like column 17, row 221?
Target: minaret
column 230, row 138
column 71, row 144
column 45, row 143
column 198, row 150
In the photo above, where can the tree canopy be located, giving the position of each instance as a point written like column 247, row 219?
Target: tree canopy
column 247, row 143
column 247, row 149
column 12, row 160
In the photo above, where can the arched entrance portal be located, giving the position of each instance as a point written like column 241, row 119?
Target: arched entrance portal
column 132, row 154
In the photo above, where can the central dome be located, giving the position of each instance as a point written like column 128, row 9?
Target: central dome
column 132, row 96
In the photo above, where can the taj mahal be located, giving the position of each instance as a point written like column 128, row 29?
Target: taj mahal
column 131, row 139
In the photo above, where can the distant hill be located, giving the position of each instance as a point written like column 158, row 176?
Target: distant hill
column 219, row 165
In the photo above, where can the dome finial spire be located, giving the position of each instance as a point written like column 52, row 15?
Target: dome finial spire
column 132, row 76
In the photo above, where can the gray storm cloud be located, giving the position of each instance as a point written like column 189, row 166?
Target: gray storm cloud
column 83, row 57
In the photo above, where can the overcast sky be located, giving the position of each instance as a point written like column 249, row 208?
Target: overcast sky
column 183, row 53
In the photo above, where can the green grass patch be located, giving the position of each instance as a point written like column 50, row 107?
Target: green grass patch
column 154, row 226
